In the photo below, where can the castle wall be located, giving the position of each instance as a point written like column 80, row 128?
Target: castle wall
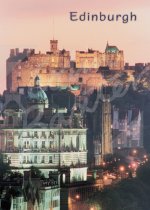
column 24, row 74
column 95, row 59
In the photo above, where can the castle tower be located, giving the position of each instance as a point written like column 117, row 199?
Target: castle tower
column 114, row 58
column 54, row 45
column 106, row 127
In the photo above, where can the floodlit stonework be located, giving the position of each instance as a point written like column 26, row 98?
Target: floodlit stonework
column 55, row 69
column 112, row 57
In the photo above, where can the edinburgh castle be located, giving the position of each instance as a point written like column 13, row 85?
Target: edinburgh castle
column 55, row 67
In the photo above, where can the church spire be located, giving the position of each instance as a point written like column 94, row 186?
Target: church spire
column 107, row 46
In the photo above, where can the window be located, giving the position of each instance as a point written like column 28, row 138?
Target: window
column 35, row 159
column 51, row 144
column 36, row 134
column 35, row 145
column 43, row 134
column 24, row 145
column 119, row 141
column 28, row 145
column 80, row 79
column 43, row 159
column 50, row 159
column 55, row 203
column 43, row 144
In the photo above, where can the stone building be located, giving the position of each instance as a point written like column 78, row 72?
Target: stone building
column 54, row 67
column 127, row 128
column 34, row 134
column 36, row 194
column 55, row 77
column 13, row 61
column 112, row 57
column 25, row 66
column 90, row 59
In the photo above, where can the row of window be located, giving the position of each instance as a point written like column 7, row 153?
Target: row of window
column 27, row 145
column 35, row 159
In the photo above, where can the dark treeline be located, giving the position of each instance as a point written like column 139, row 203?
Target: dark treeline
column 129, row 194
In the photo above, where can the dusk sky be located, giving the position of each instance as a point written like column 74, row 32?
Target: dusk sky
column 29, row 24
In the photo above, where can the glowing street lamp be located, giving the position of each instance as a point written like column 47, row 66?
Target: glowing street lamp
column 122, row 168
column 105, row 178
column 104, row 164
column 134, row 165
column 77, row 197
column 134, row 151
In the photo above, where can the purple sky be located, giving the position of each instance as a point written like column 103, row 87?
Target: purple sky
column 29, row 24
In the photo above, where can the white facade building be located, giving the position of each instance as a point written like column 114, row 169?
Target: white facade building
column 49, row 198
column 47, row 149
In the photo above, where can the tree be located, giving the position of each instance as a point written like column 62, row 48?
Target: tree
column 36, row 173
column 143, row 173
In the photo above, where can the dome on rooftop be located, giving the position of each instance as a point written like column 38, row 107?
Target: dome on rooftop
column 111, row 49
column 37, row 95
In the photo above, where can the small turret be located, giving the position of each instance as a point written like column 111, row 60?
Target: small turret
column 37, row 81
column 53, row 45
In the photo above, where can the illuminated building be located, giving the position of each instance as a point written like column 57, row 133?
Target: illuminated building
column 37, row 135
column 127, row 128
column 21, row 68
column 36, row 194
column 112, row 57
column 55, row 70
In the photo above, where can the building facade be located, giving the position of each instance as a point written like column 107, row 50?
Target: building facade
column 112, row 57
column 90, row 59
column 54, row 68
column 35, row 135
column 127, row 128
column 36, row 194
column 21, row 66
column 47, row 149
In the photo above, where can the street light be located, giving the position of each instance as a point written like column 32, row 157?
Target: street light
column 95, row 207
column 121, row 169
column 77, row 197
column 134, row 151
